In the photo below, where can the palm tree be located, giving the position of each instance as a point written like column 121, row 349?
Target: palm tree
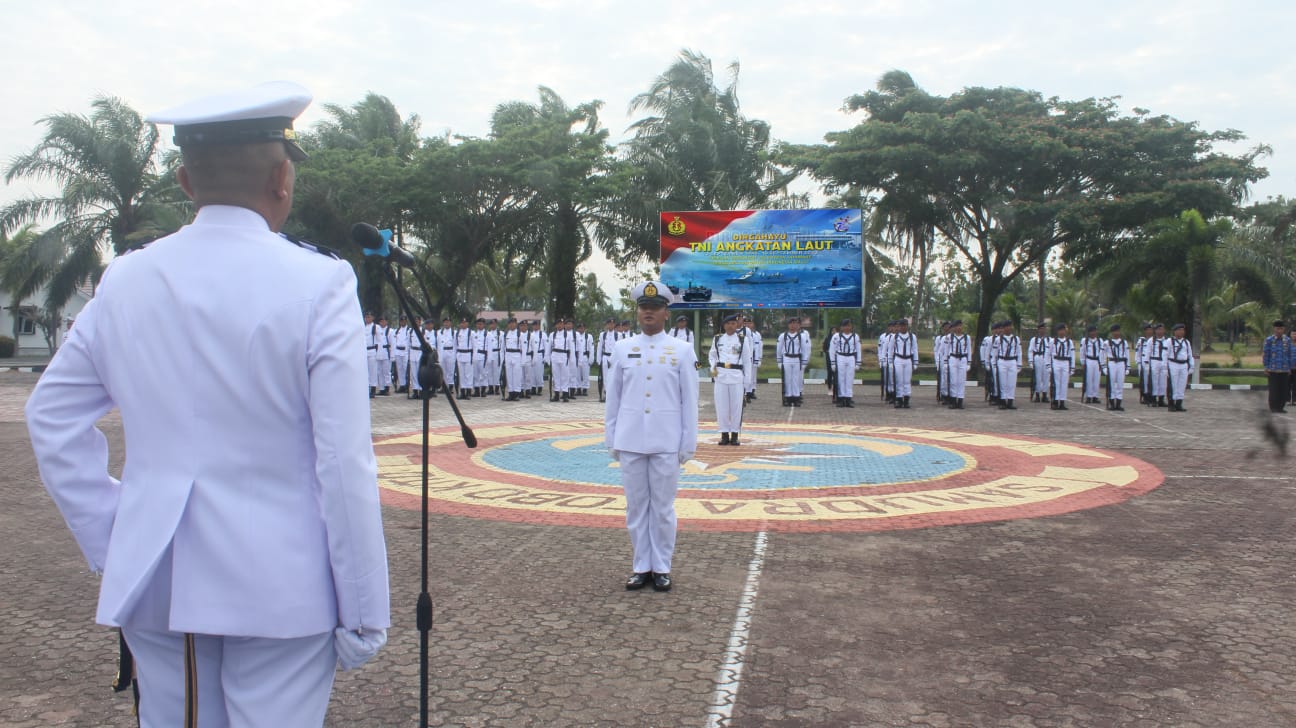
column 112, row 197
column 695, row 150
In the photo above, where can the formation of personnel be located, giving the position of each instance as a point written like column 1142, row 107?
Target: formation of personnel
column 483, row 360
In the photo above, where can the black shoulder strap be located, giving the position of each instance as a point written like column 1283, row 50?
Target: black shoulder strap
column 311, row 246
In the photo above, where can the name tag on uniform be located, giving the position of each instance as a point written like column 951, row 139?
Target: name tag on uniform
column 633, row 356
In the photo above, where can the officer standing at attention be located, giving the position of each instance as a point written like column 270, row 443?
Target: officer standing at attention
column 904, row 354
column 1278, row 365
column 1144, row 366
column 384, row 357
column 757, row 352
column 1091, row 351
column 514, row 356
column 1115, row 362
column 400, row 353
column 681, row 330
column 1041, row 365
column 650, row 428
column 940, row 357
column 372, row 342
column 218, row 550
column 885, row 342
column 960, row 362
column 1062, row 352
column 730, row 358
column 494, row 358
column 463, row 339
column 845, row 349
column 1179, row 364
column 1156, row 357
column 606, row 338
column 792, row 352
column 446, row 345
column 989, row 352
column 1008, row 357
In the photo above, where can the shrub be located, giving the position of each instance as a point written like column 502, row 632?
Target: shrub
column 7, row 346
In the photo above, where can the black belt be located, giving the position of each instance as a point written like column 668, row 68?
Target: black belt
column 958, row 356
column 560, row 351
column 1091, row 358
column 898, row 356
column 791, row 356
column 465, row 351
column 1179, row 361
column 400, row 348
column 481, row 351
column 513, row 351
column 1119, row 360
column 371, row 348
column 722, row 365
column 1062, row 358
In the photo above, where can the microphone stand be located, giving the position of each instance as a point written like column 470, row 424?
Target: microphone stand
column 430, row 378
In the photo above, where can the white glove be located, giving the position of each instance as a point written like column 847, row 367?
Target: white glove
column 616, row 455
column 354, row 648
column 685, row 457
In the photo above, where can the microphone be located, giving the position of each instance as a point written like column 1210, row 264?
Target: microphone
column 378, row 243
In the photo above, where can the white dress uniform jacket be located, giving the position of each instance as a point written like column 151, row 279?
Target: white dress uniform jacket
column 652, row 396
column 264, row 488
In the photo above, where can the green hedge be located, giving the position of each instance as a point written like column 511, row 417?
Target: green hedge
column 7, row 346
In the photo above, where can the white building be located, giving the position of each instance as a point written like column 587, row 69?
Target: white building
column 30, row 338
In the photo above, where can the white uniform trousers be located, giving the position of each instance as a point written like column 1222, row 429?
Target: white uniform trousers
column 561, row 372
column 1092, row 378
column 1061, row 379
column 1006, row 378
column 373, row 372
column 1158, row 378
column 416, row 358
column 537, row 372
column 464, row 371
column 583, row 373
column 480, row 370
column 514, row 372
column 956, row 374
column 242, row 682
column 793, row 377
column 903, row 375
column 845, row 377
column 942, row 376
column 384, row 371
column 1115, row 380
column 729, row 399
column 1041, row 364
column 650, row 482
column 1178, row 374
column 402, row 367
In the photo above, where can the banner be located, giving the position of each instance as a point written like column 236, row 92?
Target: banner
column 763, row 258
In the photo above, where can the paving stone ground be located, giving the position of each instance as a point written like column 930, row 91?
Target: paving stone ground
column 1173, row 608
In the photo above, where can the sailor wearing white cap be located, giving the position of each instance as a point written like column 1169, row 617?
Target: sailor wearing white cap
column 244, row 539
column 730, row 358
column 651, row 430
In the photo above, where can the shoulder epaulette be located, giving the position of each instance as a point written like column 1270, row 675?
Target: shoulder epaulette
column 311, row 246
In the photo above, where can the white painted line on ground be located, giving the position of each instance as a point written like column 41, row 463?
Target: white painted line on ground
column 730, row 675
column 1235, row 477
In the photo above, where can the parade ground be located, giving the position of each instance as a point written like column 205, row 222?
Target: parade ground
column 842, row 567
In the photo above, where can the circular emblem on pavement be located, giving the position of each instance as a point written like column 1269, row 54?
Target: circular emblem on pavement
column 782, row 477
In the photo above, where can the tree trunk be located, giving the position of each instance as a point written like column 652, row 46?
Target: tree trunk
column 1039, row 293
column 990, row 290
column 562, row 260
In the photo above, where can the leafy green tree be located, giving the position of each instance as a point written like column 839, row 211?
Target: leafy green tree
column 113, row 194
column 1013, row 175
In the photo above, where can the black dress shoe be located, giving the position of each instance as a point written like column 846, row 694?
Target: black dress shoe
column 724, row 438
column 661, row 582
column 639, row 580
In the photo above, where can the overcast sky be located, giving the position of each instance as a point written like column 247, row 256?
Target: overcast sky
column 1226, row 65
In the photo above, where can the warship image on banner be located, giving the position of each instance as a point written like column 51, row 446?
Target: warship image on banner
column 763, row 258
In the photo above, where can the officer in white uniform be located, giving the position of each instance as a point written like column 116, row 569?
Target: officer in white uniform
column 730, row 357
column 1179, row 364
column 681, row 330
column 1115, row 361
column 1008, row 357
column 792, row 352
column 400, row 353
column 757, row 352
column 384, row 357
column 538, row 344
column 513, row 359
column 218, row 550
column 904, row 354
column 845, row 352
column 584, row 350
column 1091, row 357
column 651, row 427
column 416, row 355
column 446, row 345
column 1140, row 353
column 372, row 343
column 528, row 358
column 1156, row 358
column 884, row 362
column 606, row 338
column 1062, row 354
column 940, row 356
column 494, row 358
column 464, row 371
column 1041, row 366
column 562, row 358
column 959, row 349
